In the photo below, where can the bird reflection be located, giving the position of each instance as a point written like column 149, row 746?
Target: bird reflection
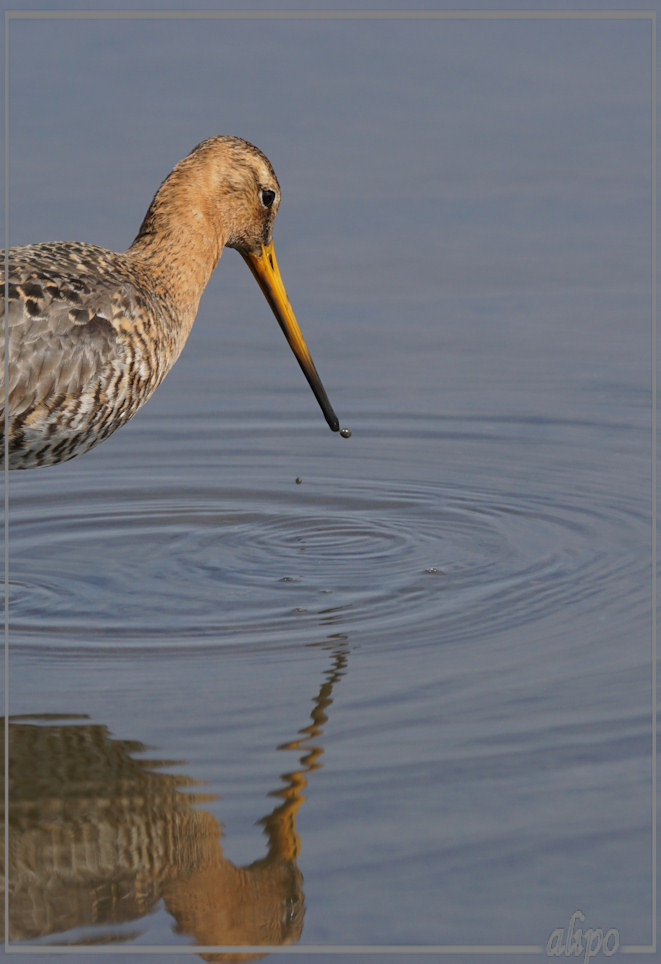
column 97, row 837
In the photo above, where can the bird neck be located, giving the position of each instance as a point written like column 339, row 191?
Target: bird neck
column 178, row 247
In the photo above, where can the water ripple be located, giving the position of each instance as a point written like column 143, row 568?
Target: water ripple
column 218, row 566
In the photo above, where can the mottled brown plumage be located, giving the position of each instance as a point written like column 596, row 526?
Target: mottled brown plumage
column 92, row 333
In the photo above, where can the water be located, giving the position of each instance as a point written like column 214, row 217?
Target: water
column 414, row 686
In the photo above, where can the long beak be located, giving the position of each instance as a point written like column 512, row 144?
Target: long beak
column 264, row 267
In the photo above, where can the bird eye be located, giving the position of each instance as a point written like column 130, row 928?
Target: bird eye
column 267, row 198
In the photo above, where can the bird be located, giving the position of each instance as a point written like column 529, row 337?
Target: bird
column 92, row 333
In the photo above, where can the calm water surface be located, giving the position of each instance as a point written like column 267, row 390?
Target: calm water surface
column 406, row 701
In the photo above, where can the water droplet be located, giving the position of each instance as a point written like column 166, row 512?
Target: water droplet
column 298, row 480
column 345, row 432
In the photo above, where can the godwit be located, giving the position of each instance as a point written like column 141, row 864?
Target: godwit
column 92, row 333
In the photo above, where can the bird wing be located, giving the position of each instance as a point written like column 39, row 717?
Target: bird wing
column 61, row 333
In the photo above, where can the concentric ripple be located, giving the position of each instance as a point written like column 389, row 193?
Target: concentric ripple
column 249, row 566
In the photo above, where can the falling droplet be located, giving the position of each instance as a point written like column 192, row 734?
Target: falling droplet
column 345, row 432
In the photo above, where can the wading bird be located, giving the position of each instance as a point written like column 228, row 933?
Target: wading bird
column 92, row 333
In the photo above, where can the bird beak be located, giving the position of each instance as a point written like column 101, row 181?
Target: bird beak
column 264, row 267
